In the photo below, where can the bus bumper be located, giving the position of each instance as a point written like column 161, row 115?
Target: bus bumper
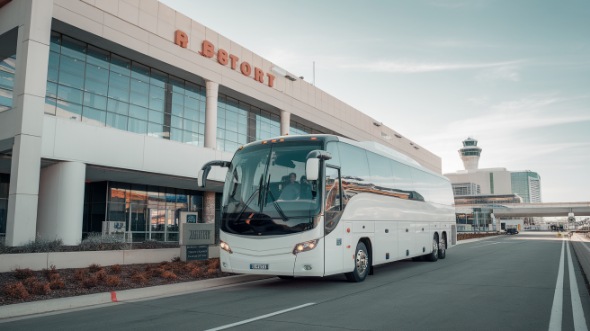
column 308, row 263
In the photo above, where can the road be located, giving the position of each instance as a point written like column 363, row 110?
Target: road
column 521, row 282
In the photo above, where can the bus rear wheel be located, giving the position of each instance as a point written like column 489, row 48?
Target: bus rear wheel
column 433, row 257
column 361, row 264
column 442, row 248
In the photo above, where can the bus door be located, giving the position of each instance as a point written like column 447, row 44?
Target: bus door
column 334, row 236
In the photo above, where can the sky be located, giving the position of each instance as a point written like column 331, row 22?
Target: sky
column 515, row 75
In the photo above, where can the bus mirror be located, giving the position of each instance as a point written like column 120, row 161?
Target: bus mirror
column 202, row 178
column 204, row 172
column 312, row 169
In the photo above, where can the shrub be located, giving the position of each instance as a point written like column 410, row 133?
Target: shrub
column 90, row 282
column 113, row 280
column 23, row 273
column 80, row 274
column 101, row 275
column 99, row 242
column 116, row 269
column 168, row 275
column 139, row 278
column 30, row 282
column 42, row 246
column 196, row 272
column 53, row 277
column 214, row 264
column 57, row 283
column 41, row 288
column 212, row 272
column 50, row 272
column 16, row 290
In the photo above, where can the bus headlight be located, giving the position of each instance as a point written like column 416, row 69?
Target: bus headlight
column 305, row 246
column 223, row 245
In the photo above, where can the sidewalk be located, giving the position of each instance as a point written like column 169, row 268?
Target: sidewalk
column 108, row 298
column 581, row 245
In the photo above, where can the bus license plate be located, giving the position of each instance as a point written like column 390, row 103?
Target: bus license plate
column 259, row 266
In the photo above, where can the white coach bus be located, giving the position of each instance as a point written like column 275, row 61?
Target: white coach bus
column 319, row 205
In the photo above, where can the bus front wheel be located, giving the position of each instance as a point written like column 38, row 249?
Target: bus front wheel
column 361, row 264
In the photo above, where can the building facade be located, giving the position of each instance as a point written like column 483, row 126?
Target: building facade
column 526, row 184
column 108, row 109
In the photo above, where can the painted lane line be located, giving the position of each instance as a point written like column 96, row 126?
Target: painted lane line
column 261, row 317
column 578, row 311
column 557, row 307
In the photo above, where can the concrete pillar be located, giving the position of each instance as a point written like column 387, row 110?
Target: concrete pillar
column 32, row 56
column 285, row 122
column 61, row 202
column 212, row 89
column 209, row 207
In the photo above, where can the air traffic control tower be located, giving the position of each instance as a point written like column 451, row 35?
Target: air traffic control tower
column 470, row 154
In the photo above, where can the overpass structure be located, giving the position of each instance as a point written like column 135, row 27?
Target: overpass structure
column 550, row 209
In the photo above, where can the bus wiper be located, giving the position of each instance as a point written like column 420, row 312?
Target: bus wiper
column 265, row 191
column 278, row 207
column 246, row 204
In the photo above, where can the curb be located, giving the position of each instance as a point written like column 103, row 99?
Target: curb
column 84, row 301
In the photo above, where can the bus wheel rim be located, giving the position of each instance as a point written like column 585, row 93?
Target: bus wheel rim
column 361, row 261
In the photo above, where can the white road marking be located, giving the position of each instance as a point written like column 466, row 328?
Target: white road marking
column 578, row 311
column 557, row 308
column 261, row 317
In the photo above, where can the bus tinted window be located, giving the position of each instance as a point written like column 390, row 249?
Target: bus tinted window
column 381, row 173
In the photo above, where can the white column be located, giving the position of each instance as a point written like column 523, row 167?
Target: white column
column 285, row 122
column 212, row 89
column 61, row 202
column 32, row 55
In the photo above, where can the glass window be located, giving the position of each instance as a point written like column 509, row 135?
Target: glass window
column 119, row 87
column 116, row 106
column 95, row 101
column 138, row 112
column 53, row 68
column 94, row 116
column 73, row 48
column 140, row 72
column 98, row 57
column 137, row 126
column 132, row 94
column 117, row 121
column 97, row 79
column 71, row 71
column 139, row 93
column 156, row 116
column 69, row 94
column 120, row 65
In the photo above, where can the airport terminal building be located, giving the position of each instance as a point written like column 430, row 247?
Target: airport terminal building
column 108, row 109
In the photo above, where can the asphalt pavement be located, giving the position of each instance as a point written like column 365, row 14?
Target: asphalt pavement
column 580, row 243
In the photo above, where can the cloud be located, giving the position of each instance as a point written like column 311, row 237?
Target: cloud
column 411, row 67
column 503, row 73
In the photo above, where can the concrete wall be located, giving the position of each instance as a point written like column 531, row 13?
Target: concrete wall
column 62, row 260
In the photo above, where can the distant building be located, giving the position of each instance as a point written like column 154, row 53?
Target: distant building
column 476, row 190
column 526, row 184
column 470, row 154
column 492, row 181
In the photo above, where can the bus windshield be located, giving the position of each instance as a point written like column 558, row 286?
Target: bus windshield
column 266, row 191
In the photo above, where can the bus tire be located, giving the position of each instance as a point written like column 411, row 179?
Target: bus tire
column 433, row 257
column 442, row 248
column 361, row 264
